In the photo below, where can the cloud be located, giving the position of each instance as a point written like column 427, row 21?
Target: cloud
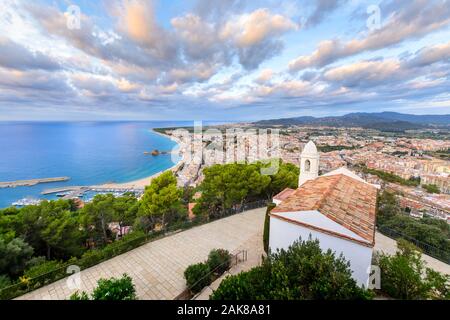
column 264, row 76
column 430, row 55
column 321, row 10
column 138, row 21
column 16, row 56
column 251, row 29
column 413, row 20
column 365, row 73
column 200, row 40
column 256, row 35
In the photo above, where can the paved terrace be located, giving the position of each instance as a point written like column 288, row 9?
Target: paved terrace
column 157, row 267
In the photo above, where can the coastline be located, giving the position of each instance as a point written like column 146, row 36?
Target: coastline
column 143, row 182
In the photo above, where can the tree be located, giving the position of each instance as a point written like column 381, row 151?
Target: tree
column 431, row 188
column 14, row 256
column 161, row 203
column 285, row 177
column 302, row 271
column 97, row 215
column 229, row 186
column 405, row 275
column 64, row 236
column 387, row 206
column 125, row 210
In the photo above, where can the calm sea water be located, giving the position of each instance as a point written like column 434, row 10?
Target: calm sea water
column 87, row 152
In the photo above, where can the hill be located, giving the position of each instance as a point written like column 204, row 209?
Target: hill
column 389, row 121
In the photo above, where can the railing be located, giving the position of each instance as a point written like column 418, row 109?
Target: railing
column 428, row 249
column 116, row 248
column 240, row 256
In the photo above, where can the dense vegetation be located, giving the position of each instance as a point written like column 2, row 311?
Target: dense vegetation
column 432, row 235
column 229, row 186
column 442, row 154
column 35, row 240
column 110, row 289
column 43, row 239
column 302, row 272
column 390, row 177
column 405, row 275
column 328, row 148
column 431, row 188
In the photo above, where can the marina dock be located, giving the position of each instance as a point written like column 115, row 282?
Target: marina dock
column 31, row 182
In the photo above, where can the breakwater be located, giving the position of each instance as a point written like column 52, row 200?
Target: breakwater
column 31, row 182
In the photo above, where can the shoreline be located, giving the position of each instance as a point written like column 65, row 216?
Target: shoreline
column 143, row 182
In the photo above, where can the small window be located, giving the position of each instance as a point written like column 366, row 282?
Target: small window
column 307, row 166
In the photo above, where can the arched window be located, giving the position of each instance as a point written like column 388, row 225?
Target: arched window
column 307, row 166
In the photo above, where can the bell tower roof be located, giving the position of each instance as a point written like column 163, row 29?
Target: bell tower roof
column 310, row 149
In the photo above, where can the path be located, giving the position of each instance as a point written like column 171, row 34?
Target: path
column 157, row 267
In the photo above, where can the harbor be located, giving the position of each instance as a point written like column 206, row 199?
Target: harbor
column 31, row 182
column 85, row 193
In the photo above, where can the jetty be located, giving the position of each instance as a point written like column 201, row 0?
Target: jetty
column 31, row 182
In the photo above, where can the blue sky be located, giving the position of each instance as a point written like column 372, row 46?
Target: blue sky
column 222, row 60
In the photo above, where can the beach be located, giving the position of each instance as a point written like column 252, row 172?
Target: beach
column 142, row 183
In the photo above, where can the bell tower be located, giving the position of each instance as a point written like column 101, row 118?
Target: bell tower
column 309, row 163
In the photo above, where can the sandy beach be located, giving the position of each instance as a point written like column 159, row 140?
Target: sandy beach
column 142, row 183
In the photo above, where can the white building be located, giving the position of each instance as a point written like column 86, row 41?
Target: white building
column 338, row 209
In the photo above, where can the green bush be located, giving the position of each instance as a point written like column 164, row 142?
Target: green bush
column 405, row 276
column 301, row 272
column 219, row 260
column 110, row 289
column 79, row 296
column 43, row 268
column 91, row 257
column 115, row 289
column 197, row 277
column 266, row 234
column 4, row 281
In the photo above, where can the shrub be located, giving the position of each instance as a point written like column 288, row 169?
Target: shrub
column 197, row 277
column 110, row 289
column 266, row 235
column 115, row 289
column 219, row 260
column 301, row 272
column 91, row 257
column 42, row 268
column 405, row 276
column 79, row 296
column 4, row 281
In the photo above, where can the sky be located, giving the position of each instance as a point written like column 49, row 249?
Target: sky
column 223, row 60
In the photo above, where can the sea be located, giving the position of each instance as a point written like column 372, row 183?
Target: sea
column 90, row 153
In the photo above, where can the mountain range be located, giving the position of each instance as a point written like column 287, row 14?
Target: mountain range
column 389, row 121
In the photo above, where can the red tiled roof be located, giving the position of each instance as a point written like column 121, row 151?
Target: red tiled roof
column 284, row 194
column 345, row 200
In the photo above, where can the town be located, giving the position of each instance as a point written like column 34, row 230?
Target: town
column 416, row 169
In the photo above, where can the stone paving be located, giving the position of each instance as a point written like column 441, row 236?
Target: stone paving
column 157, row 267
